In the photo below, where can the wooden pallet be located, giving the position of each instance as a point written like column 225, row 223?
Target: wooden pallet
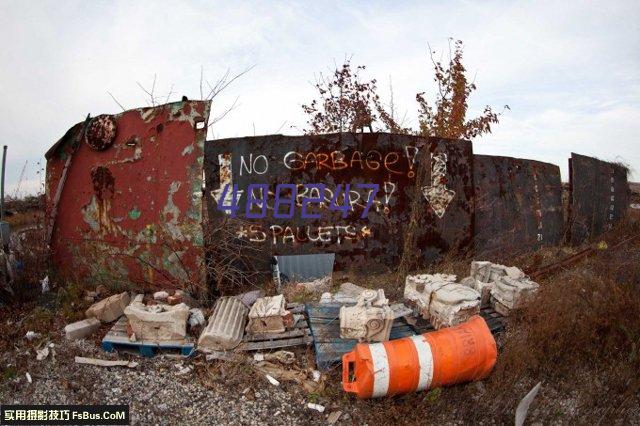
column 329, row 347
column 300, row 334
column 117, row 338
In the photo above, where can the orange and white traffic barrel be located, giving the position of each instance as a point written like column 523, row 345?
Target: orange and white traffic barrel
column 452, row 355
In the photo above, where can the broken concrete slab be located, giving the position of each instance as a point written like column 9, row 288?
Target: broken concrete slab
column 267, row 315
column 226, row 325
column 109, row 309
column 157, row 322
column 81, row 329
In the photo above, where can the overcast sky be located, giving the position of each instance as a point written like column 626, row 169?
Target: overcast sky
column 570, row 71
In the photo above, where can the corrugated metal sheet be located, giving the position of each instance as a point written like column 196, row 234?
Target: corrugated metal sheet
column 518, row 204
column 130, row 209
column 599, row 196
column 305, row 267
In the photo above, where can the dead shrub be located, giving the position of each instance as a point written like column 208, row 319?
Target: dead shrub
column 232, row 264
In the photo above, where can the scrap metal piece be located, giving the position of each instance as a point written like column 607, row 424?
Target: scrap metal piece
column 226, row 326
column 101, row 132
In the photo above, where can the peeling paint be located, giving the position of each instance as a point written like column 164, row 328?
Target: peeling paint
column 113, row 201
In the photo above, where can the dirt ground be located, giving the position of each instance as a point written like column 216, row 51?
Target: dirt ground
column 580, row 338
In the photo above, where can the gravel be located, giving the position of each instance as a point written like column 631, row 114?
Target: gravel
column 154, row 390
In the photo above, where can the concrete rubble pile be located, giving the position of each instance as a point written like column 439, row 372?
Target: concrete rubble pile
column 505, row 287
column 440, row 300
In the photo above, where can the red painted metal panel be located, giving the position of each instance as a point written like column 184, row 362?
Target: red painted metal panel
column 132, row 211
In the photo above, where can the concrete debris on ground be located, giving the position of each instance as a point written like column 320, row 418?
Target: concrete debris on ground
column 271, row 380
column 81, row 329
column 160, row 295
column 42, row 354
column 316, row 286
column 317, row 407
column 44, row 284
column 157, row 323
column 196, row 317
column 369, row 320
column 30, row 335
column 229, row 356
column 105, row 362
column 289, row 373
column 440, row 300
column 510, row 293
column 333, row 417
column 283, row 357
column 109, row 309
column 268, row 315
column 226, row 325
column 505, row 287
column 346, row 295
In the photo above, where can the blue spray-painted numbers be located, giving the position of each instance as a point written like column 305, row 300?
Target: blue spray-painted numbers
column 280, row 201
column 311, row 198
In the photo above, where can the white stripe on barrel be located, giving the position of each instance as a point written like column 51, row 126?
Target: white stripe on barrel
column 425, row 358
column 380, row 369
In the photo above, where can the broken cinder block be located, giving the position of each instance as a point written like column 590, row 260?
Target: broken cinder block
column 81, row 329
column 109, row 309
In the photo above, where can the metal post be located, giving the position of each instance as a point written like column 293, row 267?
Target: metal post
column 4, row 166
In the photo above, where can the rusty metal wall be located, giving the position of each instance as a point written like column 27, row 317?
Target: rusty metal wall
column 518, row 204
column 387, row 160
column 599, row 196
column 130, row 209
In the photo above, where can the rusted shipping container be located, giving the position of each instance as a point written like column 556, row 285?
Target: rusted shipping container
column 598, row 196
column 124, row 197
column 518, row 204
column 288, row 193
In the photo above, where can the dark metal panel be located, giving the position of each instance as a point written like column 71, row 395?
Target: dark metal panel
column 388, row 160
column 599, row 196
column 518, row 204
column 130, row 208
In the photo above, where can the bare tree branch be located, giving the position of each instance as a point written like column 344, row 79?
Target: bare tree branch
column 116, row 101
